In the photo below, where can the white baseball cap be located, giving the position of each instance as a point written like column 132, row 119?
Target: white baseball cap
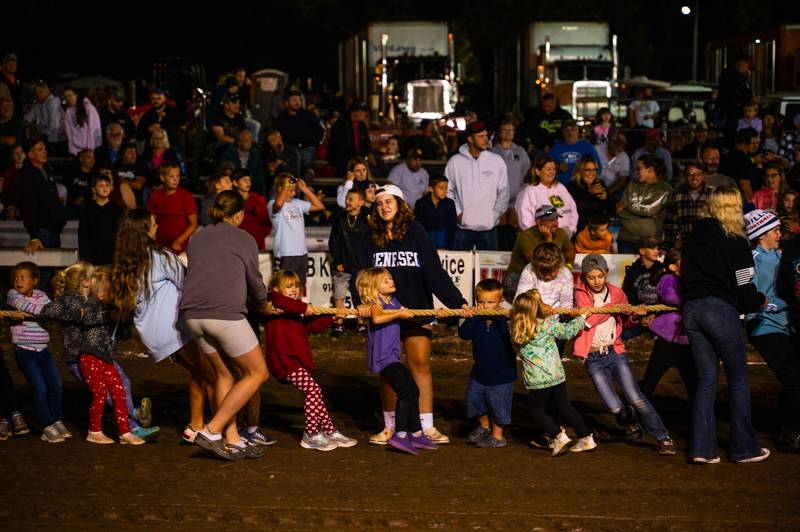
column 388, row 188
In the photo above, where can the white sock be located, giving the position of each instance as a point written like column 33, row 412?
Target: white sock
column 240, row 444
column 211, row 435
column 252, row 429
column 426, row 420
column 388, row 419
column 402, row 434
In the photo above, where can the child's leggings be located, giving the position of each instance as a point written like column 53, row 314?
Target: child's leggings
column 556, row 400
column 406, row 412
column 102, row 377
column 316, row 414
column 75, row 370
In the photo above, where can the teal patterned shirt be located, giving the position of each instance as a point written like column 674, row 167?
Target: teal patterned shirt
column 541, row 361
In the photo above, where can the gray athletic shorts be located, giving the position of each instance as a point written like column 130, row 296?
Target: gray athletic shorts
column 226, row 337
column 341, row 285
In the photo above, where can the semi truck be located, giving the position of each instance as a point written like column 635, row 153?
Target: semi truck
column 576, row 61
column 400, row 68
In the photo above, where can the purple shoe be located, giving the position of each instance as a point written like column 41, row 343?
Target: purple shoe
column 422, row 442
column 402, row 444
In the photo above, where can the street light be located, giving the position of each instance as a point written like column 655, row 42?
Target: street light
column 686, row 10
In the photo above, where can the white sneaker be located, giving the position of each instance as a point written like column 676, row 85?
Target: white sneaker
column 318, row 442
column 341, row 440
column 586, row 443
column 763, row 455
column 129, row 438
column 98, row 437
column 436, row 437
column 560, row 443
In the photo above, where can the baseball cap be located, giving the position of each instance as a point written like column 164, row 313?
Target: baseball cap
column 157, row 90
column 476, row 127
column 759, row 222
column 10, row 56
column 648, row 242
column 546, row 212
column 230, row 97
column 593, row 261
column 652, row 134
column 390, row 189
column 414, row 153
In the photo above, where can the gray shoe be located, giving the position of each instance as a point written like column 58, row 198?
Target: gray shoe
column 217, row 447
column 248, row 451
column 51, row 434
column 5, row 429
column 62, row 429
column 490, row 442
column 341, row 440
column 478, row 434
column 318, row 442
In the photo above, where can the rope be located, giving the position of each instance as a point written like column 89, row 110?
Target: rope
column 611, row 309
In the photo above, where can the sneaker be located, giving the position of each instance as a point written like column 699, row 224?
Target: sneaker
column 490, row 442
column 381, row 438
column 422, row 442
column 763, row 455
column 189, row 433
column 337, row 331
column 543, row 441
column 341, row 440
column 99, row 438
column 129, row 438
column 560, row 443
column 20, row 427
column 478, row 434
column 5, row 429
column 318, row 442
column 245, row 451
column 584, row 444
column 51, row 434
column 144, row 414
column 217, row 447
column 786, row 442
column 147, row 434
column 402, row 444
column 257, row 437
column 62, row 429
column 666, row 447
column 701, row 460
column 436, row 437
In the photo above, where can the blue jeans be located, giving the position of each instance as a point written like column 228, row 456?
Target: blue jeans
column 601, row 368
column 42, row 375
column 715, row 333
column 466, row 240
column 132, row 423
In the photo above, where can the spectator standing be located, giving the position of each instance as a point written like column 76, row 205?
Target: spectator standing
column 735, row 92
column 616, row 173
column 588, row 191
column 684, row 207
column 256, row 217
column 11, row 129
column 411, row 178
column 10, row 194
column 349, row 138
column 569, row 150
column 42, row 212
column 518, row 165
column 174, row 210
column 78, row 180
column 477, row 176
column 644, row 111
column 225, row 123
column 113, row 113
column 437, row 213
column 157, row 152
column 358, row 176
column 215, row 184
column 768, row 197
column 300, row 128
column 772, row 132
column 710, row 158
column 162, row 114
column 750, row 118
column 81, row 122
column 8, row 77
column 652, row 146
column 741, row 162
column 543, row 125
column 643, row 205
column 429, row 139
column 545, row 189
column 97, row 226
column 48, row 116
column 243, row 155
column 131, row 169
column 788, row 144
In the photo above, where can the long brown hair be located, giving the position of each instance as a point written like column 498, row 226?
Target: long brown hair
column 400, row 222
column 132, row 260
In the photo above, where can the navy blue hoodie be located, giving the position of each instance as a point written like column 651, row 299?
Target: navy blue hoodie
column 416, row 269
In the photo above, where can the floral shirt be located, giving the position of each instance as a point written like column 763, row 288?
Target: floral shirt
column 541, row 361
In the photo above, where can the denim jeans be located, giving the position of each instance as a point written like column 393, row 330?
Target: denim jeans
column 42, row 375
column 715, row 333
column 466, row 240
column 601, row 368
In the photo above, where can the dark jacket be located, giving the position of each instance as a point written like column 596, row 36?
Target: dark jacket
column 492, row 350
column 41, row 208
column 416, row 269
column 788, row 282
column 345, row 241
column 86, row 328
column 434, row 217
column 636, row 283
column 97, row 230
column 716, row 265
column 342, row 146
column 587, row 203
column 171, row 123
column 544, row 130
column 739, row 165
column 300, row 130
column 255, row 165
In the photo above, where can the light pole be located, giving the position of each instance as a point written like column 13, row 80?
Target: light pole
column 686, row 10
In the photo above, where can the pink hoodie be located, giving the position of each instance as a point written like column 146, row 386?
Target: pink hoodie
column 585, row 298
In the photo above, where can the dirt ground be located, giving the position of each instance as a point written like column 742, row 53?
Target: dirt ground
column 168, row 485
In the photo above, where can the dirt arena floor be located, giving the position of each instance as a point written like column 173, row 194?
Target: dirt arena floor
column 168, row 485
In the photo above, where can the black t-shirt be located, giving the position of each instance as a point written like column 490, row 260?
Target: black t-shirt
column 121, row 118
column 544, row 130
column 739, row 165
column 9, row 128
column 231, row 126
column 78, row 185
column 129, row 172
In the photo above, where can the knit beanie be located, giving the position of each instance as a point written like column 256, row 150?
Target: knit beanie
column 759, row 222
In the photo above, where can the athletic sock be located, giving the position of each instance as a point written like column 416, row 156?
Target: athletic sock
column 388, row 419
column 402, row 434
column 426, row 420
column 252, row 429
column 211, row 435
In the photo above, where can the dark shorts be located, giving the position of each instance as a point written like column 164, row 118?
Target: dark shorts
column 410, row 328
column 492, row 400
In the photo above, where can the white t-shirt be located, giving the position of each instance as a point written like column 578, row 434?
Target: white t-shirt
column 645, row 107
column 604, row 333
column 290, row 228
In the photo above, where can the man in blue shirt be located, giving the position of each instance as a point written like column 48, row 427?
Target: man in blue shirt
column 568, row 151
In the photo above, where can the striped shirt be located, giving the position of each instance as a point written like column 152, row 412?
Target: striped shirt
column 29, row 334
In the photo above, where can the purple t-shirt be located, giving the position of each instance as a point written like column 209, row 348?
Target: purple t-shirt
column 383, row 341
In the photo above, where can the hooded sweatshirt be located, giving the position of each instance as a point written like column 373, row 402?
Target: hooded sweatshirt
column 585, row 298
column 667, row 326
column 645, row 210
column 557, row 195
column 479, row 188
column 714, row 264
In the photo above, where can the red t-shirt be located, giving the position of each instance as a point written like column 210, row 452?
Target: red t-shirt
column 172, row 214
column 256, row 219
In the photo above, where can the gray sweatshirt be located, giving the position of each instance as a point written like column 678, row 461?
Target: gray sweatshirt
column 222, row 273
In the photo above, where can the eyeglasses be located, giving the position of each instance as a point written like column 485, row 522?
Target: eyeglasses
column 694, row 174
column 590, row 170
column 772, row 174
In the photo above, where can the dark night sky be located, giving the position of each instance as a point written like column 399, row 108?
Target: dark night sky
column 121, row 39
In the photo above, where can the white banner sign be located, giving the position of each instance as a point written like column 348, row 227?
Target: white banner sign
column 460, row 266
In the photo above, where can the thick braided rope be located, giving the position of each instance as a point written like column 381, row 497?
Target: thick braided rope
column 611, row 309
